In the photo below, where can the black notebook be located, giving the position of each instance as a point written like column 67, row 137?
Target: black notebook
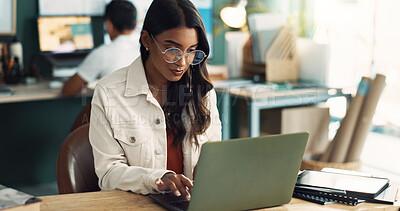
column 361, row 187
column 325, row 196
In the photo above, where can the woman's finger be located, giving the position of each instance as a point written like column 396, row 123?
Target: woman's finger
column 170, row 180
column 187, row 182
column 177, row 183
column 171, row 185
column 181, row 186
column 161, row 185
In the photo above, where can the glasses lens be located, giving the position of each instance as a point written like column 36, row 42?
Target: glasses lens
column 172, row 55
column 196, row 57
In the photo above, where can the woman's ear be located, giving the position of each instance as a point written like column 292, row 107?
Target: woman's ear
column 145, row 38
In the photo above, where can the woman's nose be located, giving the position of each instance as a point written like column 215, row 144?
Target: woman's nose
column 182, row 61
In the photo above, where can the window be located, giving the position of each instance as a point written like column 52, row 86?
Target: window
column 364, row 39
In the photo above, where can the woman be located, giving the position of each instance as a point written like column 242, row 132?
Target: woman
column 149, row 120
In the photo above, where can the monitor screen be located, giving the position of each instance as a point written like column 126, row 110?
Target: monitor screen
column 8, row 10
column 65, row 34
column 71, row 7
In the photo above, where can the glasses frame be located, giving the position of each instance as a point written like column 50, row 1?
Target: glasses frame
column 182, row 53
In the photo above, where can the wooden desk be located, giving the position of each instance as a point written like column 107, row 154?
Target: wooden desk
column 121, row 200
column 37, row 91
column 259, row 97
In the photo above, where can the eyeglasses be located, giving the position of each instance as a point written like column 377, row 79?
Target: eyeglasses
column 172, row 55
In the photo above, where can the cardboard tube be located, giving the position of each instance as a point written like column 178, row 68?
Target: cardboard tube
column 337, row 149
column 345, row 132
column 365, row 118
column 327, row 154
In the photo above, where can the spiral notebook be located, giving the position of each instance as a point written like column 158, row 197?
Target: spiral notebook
column 325, row 196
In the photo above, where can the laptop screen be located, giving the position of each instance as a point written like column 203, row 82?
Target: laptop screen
column 66, row 34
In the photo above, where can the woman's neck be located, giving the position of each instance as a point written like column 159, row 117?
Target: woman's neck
column 158, row 85
column 154, row 78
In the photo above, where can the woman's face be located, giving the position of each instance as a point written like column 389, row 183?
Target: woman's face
column 183, row 38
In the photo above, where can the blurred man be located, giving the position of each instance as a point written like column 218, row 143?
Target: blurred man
column 120, row 19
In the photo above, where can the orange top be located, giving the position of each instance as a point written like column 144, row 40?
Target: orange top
column 174, row 155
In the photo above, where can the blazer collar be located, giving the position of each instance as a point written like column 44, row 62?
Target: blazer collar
column 136, row 82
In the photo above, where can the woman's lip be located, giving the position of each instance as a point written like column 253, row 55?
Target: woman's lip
column 176, row 72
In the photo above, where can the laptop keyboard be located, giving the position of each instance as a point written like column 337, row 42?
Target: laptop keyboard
column 183, row 205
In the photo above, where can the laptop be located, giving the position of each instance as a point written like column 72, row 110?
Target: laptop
column 65, row 40
column 242, row 174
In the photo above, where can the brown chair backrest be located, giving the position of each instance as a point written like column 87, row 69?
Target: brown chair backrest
column 75, row 165
column 83, row 117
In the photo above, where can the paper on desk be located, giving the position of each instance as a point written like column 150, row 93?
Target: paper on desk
column 234, row 42
column 10, row 197
column 313, row 61
column 265, row 39
column 230, row 83
column 263, row 22
column 271, row 91
column 266, row 21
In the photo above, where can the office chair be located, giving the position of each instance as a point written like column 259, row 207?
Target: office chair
column 75, row 165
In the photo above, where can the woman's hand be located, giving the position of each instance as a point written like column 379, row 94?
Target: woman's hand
column 177, row 183
column 194, row 171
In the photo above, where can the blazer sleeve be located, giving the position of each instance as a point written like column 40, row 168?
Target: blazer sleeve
column 214, row 131
column 110, row 163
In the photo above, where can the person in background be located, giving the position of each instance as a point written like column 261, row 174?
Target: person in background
column 149, row 120
column 120, row 19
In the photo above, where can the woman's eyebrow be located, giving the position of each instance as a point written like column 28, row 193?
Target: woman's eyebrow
column 175, row 43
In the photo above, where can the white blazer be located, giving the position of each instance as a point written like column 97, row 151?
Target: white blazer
column 128, row 132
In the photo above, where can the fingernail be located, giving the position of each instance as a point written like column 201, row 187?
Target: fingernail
column 177, row 193
column 188, row 197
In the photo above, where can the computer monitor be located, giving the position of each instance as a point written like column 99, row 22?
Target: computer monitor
column 66, row 34
column 65, row 41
